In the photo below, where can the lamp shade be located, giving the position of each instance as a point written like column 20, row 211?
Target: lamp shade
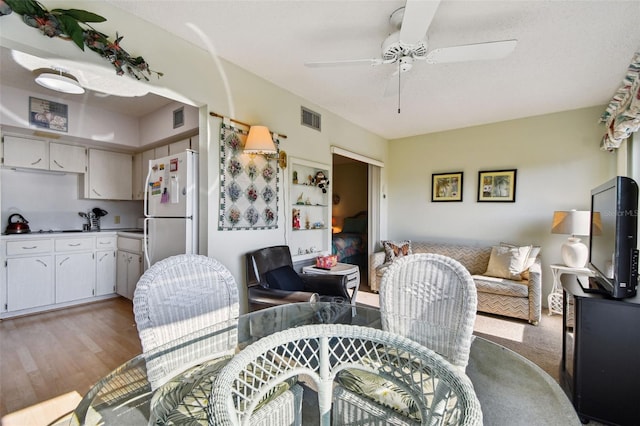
column 60, row 82
column 572, row 222
column 259, row 141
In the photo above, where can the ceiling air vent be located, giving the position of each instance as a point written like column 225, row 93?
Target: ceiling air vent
column 310, row 118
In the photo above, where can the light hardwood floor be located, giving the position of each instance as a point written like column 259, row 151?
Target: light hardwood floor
column 55, row 354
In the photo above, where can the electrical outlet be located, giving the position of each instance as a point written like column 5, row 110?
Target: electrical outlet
column 116, row 219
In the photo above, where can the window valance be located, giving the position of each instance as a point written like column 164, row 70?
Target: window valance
column 622, row 116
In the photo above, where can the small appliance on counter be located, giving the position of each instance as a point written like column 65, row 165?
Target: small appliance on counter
column 18, row 226
column 93, row 219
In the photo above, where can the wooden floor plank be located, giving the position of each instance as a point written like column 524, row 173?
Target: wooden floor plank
column 48, row 355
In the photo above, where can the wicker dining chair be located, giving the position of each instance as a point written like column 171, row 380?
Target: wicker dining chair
column 175, row 300
column 439, row 392
column 430, row 299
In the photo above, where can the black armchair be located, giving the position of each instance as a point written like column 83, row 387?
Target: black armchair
column 271, row 281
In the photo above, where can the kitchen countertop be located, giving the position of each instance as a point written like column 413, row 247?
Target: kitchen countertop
column 126, row 232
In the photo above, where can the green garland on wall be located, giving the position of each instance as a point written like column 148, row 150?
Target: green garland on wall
column 73, row 24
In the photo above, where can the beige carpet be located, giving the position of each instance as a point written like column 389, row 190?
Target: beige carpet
column 541, row 344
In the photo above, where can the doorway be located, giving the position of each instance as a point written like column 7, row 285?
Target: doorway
column 355, row 208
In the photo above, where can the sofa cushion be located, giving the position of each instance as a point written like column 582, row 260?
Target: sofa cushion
column 502, row 286
column 507, row 262
column 475, row 259
column 396, row 249
column 284, row 278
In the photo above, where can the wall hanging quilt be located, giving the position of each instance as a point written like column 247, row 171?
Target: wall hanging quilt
column 248, row 184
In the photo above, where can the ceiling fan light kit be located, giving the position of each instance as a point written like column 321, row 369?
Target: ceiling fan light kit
column 59, row 81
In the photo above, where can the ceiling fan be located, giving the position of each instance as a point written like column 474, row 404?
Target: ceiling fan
column 408, row 44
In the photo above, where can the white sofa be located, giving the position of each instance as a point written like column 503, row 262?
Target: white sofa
column 513, row 298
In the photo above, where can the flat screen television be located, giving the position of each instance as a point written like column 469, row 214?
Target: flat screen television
column 613, row 239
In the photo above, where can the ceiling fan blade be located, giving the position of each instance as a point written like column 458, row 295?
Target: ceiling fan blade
column 345, row 62
column 418, row 15
column 472, row 52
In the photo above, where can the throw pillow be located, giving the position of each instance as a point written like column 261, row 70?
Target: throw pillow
column 396, row 249
column 531, row 259
column 507, row 262
column 284, row 278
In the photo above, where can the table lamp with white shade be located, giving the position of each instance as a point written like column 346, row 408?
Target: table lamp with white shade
column 573, row 222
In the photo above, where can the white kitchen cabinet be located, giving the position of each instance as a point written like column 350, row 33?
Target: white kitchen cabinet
column 59, row 270
column 75, row 268
column 29, row 282
column 105, row 272
column 161, row 151
column 25, row 152
column 179, row 146
column 109, row 176
column 140, row 169
column 75, row 276
column 67, row 158
column 129, row 270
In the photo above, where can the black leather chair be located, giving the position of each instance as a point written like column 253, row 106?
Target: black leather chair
column 272, row 281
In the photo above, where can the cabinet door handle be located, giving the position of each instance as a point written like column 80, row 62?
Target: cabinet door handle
column 40, row 261
column 58, row 164
column 36, row 162
column 63, row 260
column 97, row 193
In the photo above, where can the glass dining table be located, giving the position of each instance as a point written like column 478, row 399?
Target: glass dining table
column 511, row 389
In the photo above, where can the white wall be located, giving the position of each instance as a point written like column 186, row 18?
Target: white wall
column 85, row 122
column 50, row 201
column 158, row 126
column 558, row 160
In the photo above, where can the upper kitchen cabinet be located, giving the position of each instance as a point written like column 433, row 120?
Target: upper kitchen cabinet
column 109, row 176
column 67, row 158
column 43, row 155
column 24, row 152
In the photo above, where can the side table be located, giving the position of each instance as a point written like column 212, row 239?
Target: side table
column 554, row 299
column 351, row 271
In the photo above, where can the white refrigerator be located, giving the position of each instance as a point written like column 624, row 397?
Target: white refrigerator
column 171, row 207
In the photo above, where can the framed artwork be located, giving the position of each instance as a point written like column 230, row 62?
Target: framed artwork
column 497, row 186
column 48, row 114
column 446, row 187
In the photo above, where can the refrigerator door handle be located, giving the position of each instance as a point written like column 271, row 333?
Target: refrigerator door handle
column 146, row 191
column 145, row 240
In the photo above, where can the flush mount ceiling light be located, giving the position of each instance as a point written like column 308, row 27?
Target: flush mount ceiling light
column 59, row 81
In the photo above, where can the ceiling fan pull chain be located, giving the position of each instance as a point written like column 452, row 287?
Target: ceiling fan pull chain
column 399, row 74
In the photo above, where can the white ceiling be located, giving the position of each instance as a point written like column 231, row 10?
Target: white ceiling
column 570, row 54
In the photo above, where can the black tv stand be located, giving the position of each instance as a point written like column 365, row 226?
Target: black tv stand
column 600, row 367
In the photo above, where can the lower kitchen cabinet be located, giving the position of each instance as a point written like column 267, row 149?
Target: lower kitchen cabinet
column 29, row 282
column 75, row 276
column 42, row 273
column 129, row 270
column 105, row 272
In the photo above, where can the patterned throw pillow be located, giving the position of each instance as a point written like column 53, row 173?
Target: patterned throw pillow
column 396, row 249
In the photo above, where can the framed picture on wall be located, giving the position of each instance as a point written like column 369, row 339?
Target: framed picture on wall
column 446, row 187
column 48, row 114
column 497, row 186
